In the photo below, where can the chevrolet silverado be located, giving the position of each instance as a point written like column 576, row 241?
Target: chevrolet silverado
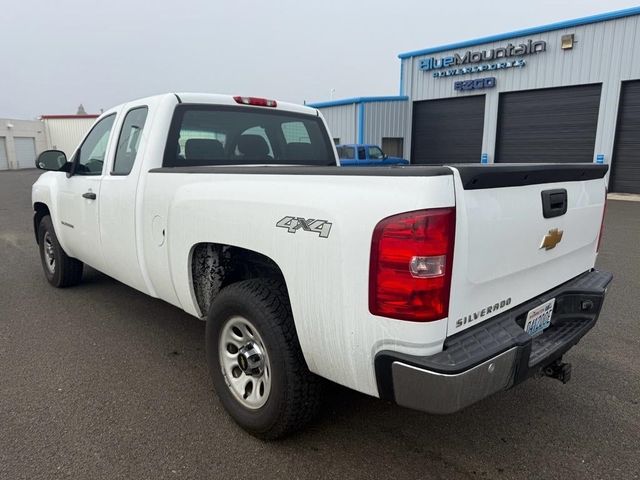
column 430, row 285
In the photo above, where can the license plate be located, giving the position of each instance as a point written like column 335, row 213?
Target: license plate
column 539, row 318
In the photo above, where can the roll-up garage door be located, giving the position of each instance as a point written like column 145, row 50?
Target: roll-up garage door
column 625, row 166
column 25, row 152
column 448, row 131
column 555, row 125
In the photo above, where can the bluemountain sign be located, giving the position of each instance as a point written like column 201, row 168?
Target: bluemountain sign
column 468, row 62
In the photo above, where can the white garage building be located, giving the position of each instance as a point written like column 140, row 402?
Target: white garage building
column 22, row 140
column 565, row 92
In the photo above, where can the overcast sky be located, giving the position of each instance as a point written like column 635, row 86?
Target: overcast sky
column 58, row 54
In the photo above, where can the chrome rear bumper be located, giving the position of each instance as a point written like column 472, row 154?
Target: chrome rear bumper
column 442, row 393
column 494, row 355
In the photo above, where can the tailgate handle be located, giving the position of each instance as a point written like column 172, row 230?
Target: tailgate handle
column 554, row 202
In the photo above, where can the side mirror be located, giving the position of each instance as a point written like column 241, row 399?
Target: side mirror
column 52, row 160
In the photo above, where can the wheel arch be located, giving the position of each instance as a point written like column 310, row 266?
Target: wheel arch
column 213, row 266
column 40, row 210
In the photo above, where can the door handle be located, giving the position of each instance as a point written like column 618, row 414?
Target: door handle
column 89, row 195
column 554, row 202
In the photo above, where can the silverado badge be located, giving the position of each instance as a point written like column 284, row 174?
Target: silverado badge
column 551, row 239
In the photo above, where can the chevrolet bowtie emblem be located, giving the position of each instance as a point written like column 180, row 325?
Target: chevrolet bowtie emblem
column 551, row 239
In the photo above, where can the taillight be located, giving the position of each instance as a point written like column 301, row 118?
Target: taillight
column 411, row 262
column 604, row 210
column 258, row 102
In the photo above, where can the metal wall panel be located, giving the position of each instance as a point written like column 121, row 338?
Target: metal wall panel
column 342, row 122
column 606, row 52
column 385, row 119
column 66, row 133
column 448, row 130
column 625, row 173
column 548, row 125
column 4, row 161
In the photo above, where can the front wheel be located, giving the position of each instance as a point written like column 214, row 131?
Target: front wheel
column 60, row 269
column 255, row 360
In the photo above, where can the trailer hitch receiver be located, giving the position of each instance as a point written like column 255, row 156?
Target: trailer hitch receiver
column 558, row 370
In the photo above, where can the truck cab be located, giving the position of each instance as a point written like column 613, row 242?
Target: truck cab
column 359, row 154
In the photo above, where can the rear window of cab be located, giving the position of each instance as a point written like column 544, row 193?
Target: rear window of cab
column 202, row 135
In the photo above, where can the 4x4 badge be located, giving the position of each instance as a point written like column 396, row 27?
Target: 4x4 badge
column 293, row 224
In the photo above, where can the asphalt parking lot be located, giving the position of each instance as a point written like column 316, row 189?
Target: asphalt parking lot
column 100, row 381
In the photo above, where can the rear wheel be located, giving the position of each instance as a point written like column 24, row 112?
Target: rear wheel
column 59, row 269
column 255, row 360
column 244, row 362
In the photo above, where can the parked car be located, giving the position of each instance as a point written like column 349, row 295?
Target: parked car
column 366, row 155
column 432, row 286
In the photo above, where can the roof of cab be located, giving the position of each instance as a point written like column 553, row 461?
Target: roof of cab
column 213, row 99
column 218, row 99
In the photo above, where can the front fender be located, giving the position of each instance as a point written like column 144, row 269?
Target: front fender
column 40, row 201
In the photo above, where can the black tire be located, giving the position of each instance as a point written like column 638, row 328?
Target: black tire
column 295, row 392
column 65, row 271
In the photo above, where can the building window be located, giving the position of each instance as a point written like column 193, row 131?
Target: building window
column 336, row 141
column 393, row 146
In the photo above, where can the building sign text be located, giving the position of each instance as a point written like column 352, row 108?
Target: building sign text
column 468, row 62
column 477, row 84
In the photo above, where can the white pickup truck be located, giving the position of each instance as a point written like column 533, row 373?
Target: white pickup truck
column 432, row 286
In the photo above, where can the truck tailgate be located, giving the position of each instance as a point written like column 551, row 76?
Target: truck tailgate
column 506, row 251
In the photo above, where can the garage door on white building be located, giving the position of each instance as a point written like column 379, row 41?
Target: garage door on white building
column 625, row 173
column 25, row 152
column 548, row 125
column 4, row 163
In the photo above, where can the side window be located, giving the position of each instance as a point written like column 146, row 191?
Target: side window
column 295, row 132
column 129, row 140
column 361, row 154
column 375, row 153
column 348, row 153
column 90, row 155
